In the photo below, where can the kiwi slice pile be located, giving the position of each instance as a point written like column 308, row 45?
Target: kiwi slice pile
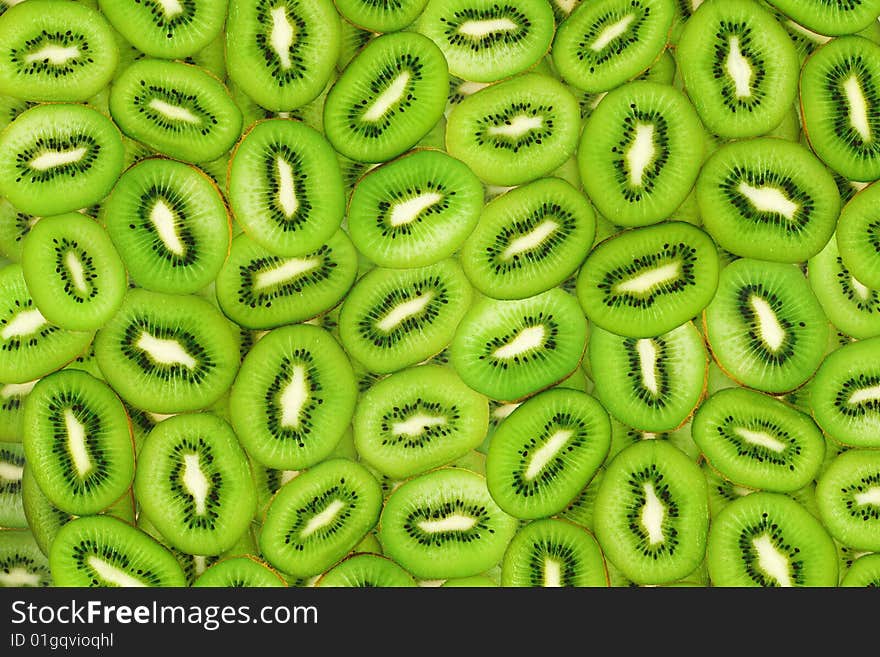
column 395, row 293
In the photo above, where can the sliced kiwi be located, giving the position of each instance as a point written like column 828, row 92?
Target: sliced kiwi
column 318, row 517
column 21, row 561
column 765, row 327
column 858, row 236
column 366, row 571
column 652, row 513
column 768, row 539
column 294, row 397
column 832, row 18
column 445, row 524
column 44, row 519
column 847, row 495
column 508, row 350
column 12, row 461
column 12, row 398
column 240, row 572
column 865, row 572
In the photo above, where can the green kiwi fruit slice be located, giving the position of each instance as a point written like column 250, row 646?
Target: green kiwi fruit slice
column 388, row 98
column 443, row 524
column 646, row 281
column 194, row 483
column 167, row 353
column 640, row 153
column 486, row 40
column 12, row 397
column 739, row 67
column 240, row 572
column 318, row 517
column 415, row 210
column 603, row 44
column 31, row 346
column 518, row 130
column 380, row 15
column 259, row 289
column 44, row 519
column 170, row 225
column 509, row 350
column 832, row 18
column 178, row 109
column 652, row 384
column 21, row 561
column 282, row 53
column 858, row 236
column 757, row 441
column 553, row 553
column 840, row 97
column 765, row 327
column 285, row 187
column 366, row 571
column 865, row 572
column 12, row 462
column 73, row 272
column 528, row 240
column 850, row 306
column 393, row 318
column 848, row 493
column 56, row 51
column 101, row 551
column 545, row 452
column 170, row 29
column 769, row 199
column 768, row 539
column 78, row 442
column 293, row 398
column 14, row 227
column 417, row 419
column 59, row 157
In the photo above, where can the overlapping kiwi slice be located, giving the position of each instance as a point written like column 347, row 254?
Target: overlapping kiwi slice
column 847, row 495
column 22, row 564
column 831, row 17
column 12, row 463
column 366, row 571
column 858, row 236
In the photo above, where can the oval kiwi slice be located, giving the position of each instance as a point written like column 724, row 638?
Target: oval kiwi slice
column 21, row 561
column 445, row 524
column 515, row 131
column 858, row 236
column 55, row 158
column 768, row 539
column 240, row 572
column 757, row 441
column 644, row 282
column 765, row 327
column 848, row 493
column 101, row 551
column 417, row 419
column 12, row 463
column 865, row 572
column 44, row 519
column 12, row 397
column 509, row 350
column 167, row 353
column 318, row 517
column 832, row 18
column 293, row 398
column 366, row 570
column 545, row 452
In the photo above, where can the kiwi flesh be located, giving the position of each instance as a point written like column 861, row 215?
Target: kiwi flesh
column 832, row 18
column 864, row 572
column 366, row 571
column 12, row 464
column 846, row 493
column 22, row 564
column 240, row 572
column 858, row 236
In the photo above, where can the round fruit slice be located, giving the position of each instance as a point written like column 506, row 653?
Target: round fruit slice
column 865, row 572
column 858, row 236
column 21, row 561
column 239, row 572
column 12, row 463
column 832, row 18
column 848, row 493
column 366, row 570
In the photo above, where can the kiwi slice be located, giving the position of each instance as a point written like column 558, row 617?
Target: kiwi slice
column 178, row 109
column 646, row 281
column 417, row 419
column 14, row 227
column 12, row 397
column 101, row 551
column 21, row 561
column 509, row 350
column 282, row 53
column 840, row 97
column 285, row 187
column 318, row 517
column 169, row 29
column 765, row 327
column 59, row 157
column 831, row 18
column 739, row 67
column 169, row 223
column 380, row 15
column 768, row 199
column 12, row 463
column 445, row 524
column 167, row 353
column 768, row 539
column 415, row 210
column 486, row 40
column 651, row 513
column 604, row 43
column 78, row 442
column 31, row 346
column 847, row 495
column 366, row 571
column 865, row 572
column 44, row 519
column 545, row 452
column 293, row 398
column 528, row 240
column 858, row 236
column 55, row 50
column 553, row 553
column 240, row 572
column 393, row 318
